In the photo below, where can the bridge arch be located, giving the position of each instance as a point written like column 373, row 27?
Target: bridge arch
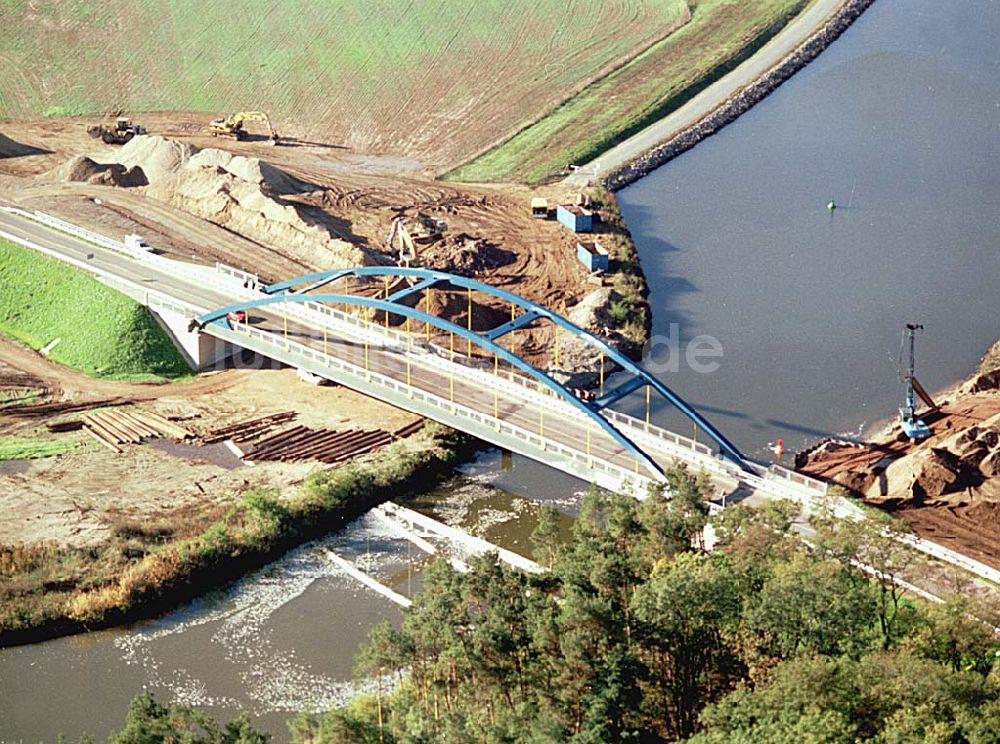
column 218, row 316
column 426, row 278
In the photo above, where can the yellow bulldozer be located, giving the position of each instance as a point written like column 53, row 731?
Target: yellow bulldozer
column 232, row 125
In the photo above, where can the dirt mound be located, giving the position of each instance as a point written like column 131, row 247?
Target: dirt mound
column 158, row 157
column 217, row 195
column 579, row 361
column 954, row 471
column 465, row 256
column 983, row 382
column 240, row 194
column 11, row 149
column 82, row 168
column 253, row 170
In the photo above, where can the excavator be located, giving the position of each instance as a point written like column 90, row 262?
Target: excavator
column 232, row 125
column 399, row 235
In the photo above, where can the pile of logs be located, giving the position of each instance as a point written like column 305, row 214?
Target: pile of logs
column 325, row 445
column 113, row 428
column 244, row 431
column 301, row 443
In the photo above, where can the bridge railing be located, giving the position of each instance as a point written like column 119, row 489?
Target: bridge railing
column 777, row 472
column 279, row 347
column 199, row 273
column 432, row 354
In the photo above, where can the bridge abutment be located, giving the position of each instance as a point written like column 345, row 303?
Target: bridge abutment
column 201, row 351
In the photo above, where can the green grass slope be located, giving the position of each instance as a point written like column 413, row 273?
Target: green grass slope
column 103, row 333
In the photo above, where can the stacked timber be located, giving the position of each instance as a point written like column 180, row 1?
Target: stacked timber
column 167, row 427
column 325, row 445
column 59, row 427
column 244, row 431
column 405, row 431
column 114, row 428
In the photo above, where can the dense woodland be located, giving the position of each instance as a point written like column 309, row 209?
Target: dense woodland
column 638, row 634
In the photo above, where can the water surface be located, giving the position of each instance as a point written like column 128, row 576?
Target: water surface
column 899, row 123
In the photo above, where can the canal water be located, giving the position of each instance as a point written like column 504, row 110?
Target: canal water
column 282, row 639
column 898, row 122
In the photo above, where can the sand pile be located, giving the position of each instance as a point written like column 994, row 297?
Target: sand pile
column 958, row 470
column 215, row 194
column 159, row 158
column 240, row 194
column 253, row 170
column 82, row 168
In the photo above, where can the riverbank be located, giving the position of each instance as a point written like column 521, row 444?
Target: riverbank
column 946, row 487
column 246, row 532
column 719, row 105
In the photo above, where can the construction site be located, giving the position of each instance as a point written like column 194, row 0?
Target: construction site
column 945, row 486
column 233, row 190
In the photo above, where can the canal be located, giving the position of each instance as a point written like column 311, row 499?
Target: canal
column 898, row 123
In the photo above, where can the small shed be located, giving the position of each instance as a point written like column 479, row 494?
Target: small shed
column 578, row 219
column 593, row 255
column 540, row 208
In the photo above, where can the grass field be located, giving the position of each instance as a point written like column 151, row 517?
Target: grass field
column 102, row 333
column 439, row 79
column 16, row 448
column 719, row 35
column 534, row 84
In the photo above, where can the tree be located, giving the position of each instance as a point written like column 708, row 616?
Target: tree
column 386, row 651
column 870, row 547
column 545, row 537
column 149, row 722
column 959, row 633
column 812, row 605
column 685, row 613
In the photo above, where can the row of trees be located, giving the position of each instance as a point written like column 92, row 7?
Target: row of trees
column 637, row 634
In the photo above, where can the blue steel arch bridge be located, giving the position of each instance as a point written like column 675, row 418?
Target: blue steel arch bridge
column 525, row 409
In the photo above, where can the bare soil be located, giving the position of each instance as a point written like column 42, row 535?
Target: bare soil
column 74, row 499
column 947, row 487
column 346, row 198
column 349, row 197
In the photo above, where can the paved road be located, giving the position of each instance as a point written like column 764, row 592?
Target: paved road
column 785, row 42
column 528, row 414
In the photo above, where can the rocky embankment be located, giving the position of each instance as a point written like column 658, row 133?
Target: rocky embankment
column 740, row 102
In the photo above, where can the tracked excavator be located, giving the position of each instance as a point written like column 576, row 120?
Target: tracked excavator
column 232, row 125
column 400, row 241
